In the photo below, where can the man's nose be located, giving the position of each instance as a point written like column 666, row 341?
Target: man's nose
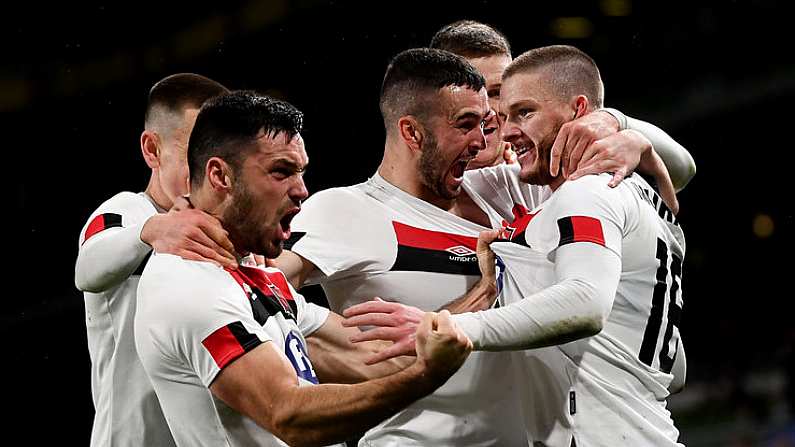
column 298, row 192
column 509, row 131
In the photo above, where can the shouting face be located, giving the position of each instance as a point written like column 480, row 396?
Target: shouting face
column 268, row 191
column 453, row 137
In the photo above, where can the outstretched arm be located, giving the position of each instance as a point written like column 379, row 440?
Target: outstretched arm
column 576, row 306
column 262, row 385
column 337, row 359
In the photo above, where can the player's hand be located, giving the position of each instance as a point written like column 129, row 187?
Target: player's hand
column 388, row 321
column 652, row 164
column 618, row 153
column 190, row 234
column 486, row 257
column 575, row 137
column 508, row 154
column 441, row 346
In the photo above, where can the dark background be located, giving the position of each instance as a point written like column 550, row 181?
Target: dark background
column 719, row 77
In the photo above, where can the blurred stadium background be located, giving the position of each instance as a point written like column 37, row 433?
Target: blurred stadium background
column 718, row 76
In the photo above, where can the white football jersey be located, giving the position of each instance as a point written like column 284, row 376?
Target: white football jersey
column 127, row 412
column 609, row 389
column 194, row 319
column 373, row 239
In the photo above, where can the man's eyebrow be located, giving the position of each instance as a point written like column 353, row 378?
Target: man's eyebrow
column 519, row 104
column 468, row 115
column 287, row 163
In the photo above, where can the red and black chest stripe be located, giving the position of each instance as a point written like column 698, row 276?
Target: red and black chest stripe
column 267, row 293
column 421, row 250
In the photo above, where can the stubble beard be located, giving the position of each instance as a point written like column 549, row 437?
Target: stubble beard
column 246, row 233
column 541, row 175
column 432, row 172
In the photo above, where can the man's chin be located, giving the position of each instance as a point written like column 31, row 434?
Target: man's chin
column 273, row 249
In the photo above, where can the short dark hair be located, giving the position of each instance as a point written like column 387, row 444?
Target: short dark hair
column 180, row 91
column 228, row 126
column 570, row 72
column 471, row 39
column 415, row 73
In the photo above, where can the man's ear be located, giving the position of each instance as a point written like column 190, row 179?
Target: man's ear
column 219, row 174
column 150, row 148
column 580, row 105
column 411, row 132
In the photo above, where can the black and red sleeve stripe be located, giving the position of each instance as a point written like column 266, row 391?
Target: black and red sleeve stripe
column 230, row 342
column 580, row 229
column 100, row 223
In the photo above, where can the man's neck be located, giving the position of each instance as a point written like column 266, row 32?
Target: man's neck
column 156, row 193
column 404, row 178
column 555, row 184
column 204, row 200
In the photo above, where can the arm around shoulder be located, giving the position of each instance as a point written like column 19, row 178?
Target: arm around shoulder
column 111, row 248
column 680, row 164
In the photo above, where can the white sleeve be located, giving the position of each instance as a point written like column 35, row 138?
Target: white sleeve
column 110, row 247
column 582, row 233
column 327, row 233
column 680, row 164
column 576, row 306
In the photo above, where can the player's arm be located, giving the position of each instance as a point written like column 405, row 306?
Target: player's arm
column 262, row 385
column 482, row 295
column 337, row 358
column 649, row 163
column 113, row 244
column 680, row 164
column 294, row 266
column 575, row 149
column 679, row 370
column 110, row 247
column 109, row 256
column 577, row 306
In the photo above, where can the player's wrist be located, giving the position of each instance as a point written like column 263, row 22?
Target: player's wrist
column 487, row 292
column 422, row 375
column 620, row 118
column 150, row 229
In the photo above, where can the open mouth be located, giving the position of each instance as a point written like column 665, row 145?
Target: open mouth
column 521, row 150
column 284, row 223
column 459, row 167
column 526, row 153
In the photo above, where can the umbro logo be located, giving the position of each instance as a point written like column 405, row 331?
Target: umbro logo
column 460, row 250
